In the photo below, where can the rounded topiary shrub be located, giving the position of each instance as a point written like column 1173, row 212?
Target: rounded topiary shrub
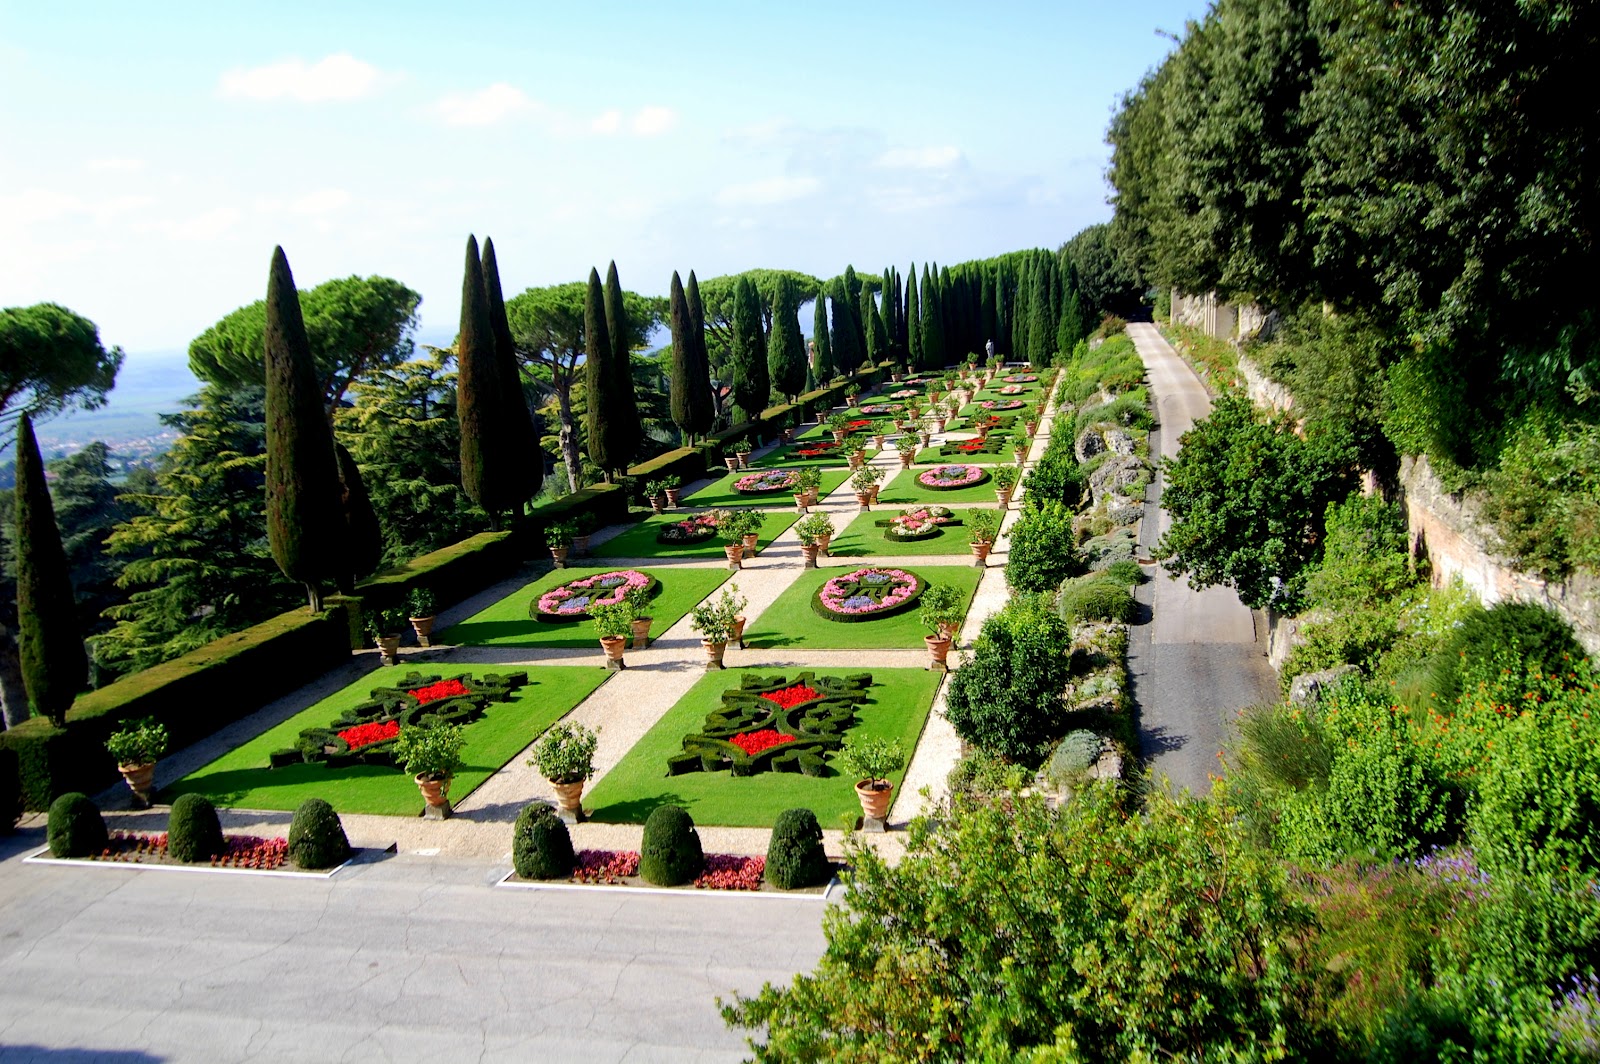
column 1126, row 571
column 670, row 854
column 1095, row 599
column 193, row 831
column 75, row 827
column 795, row 857
column 316, row 836
column 541, row 846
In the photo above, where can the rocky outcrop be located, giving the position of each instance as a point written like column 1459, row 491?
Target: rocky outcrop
column 1309, row 688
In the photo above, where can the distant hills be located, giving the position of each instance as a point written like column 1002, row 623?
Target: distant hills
column 149, row 384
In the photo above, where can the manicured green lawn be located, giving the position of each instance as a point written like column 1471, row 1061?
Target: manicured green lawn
column 904, row 490
column 722, row 494
column 790, row 622
column 507, row 623
column 930, row 456
column 897, row 706
column 640, row 541
column 242, row 778
column 862, row 538
column 784, row 457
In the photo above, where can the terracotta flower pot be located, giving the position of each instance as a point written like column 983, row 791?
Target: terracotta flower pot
column 858, row 460
column 560, row 556
column 864, row 498
column 735, row 552
column 714, row 652
column 812, row 496
column 752, row 540
column 1031, row 426
column 736, row 632
column 809, row 552
column 673, row 497
column 980, row 554
column 938, row 424
column 938, row 650
column 389, row 647
column 141, row 781
column 874, row 803
column 641, row 632
column 906, row 460
column 927, row 439
column 614, row 646
column 839, row 435
column 874, row 492
column 1021, row 454
column 732, row 463
column 849, row 400
column 435, row 792
column 423, row 626
column 877, row 441
column 569, row 796
column 658, row 504
column 824, row 542
column 743, row 458
column 580, row 544
column 1004, row 495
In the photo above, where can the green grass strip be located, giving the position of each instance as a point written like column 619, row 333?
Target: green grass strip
column 791, row 623
column 722, row 494
column 640, row 541
column 862, row 538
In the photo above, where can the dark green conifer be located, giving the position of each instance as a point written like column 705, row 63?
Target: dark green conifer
column 363, row 534
column 305, row 519
column 846, row 355
column 683, row 383
column 597, row 369
column 933, row 353
column 1041, row 323
column 786, row 351
column 522, row 440
column 877, row 335
column 480, row 398
column 703, row 412
column 852, row 290
column 622, row 419
column 1002, row 327
column 914, row 346
column 748, row 353
column 822, row 366
column 54, row 665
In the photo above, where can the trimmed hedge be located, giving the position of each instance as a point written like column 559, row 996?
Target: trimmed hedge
column 316, row 836
column 541, row 845
column 795, row 858
column 670, row 854
column 193, row 831
column 75, row 827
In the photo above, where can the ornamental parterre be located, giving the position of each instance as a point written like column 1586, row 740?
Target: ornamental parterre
column 924, row 522
column 774, row 724
column 767, row 482
column 573, row 600
column 1021, row 378
column 814, row 449
column 883, row 408
column 952, row 477
column 1002, row 404
column 1012, row 389
column 867, row 594
column 366, row 734
column 696, row 529
column 906, row 393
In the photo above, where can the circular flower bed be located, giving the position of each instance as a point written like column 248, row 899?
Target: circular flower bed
column 921, row 523
column 696, row 529
column 1012, row 389
column 573, row 600
column 1021, row 378
column 868, row 594
column 819, row 449
column 767, row 482
column 882, row 408
column 906, row 393
column 951, row 477
column 1002, row 404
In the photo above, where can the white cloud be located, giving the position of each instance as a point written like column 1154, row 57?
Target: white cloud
column 767, row 192
column 335, row 77
column 123, row 166
column 486, row 107
column 207, row 225
column 939, row 158
column 607, row 122
column 654, row 121
column 322, row 201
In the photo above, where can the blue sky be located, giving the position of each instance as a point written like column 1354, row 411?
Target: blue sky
column 154, row 154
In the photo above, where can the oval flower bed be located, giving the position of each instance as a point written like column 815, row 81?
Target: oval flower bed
column 1021, row 378
column 1002, row 404
column 696, row 529
column 922, row 523
column 906, row 393
column 868, row 594
column 819, row 449
column 573, row 600
column 769, row 482
column 883, row 408
column 952, row 477
column 1012, row 389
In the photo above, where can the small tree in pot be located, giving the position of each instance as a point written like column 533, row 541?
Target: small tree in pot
column 655, row 492
column 420, row 604
column 714, row 621
column 815, row 532
column 872, row 761
column 809, row 480
column 558, row 537
column 136, row 748
column 431, row 755
column 940, row 612
column 613, row 623
column 1005, row 481
column 564, row 755
column 983, row 526
column 671, row 486
column 638, row 600
column 384, row 627
column 864, row 481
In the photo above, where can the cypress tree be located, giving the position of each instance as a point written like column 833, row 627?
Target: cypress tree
column 949, row 316
column 821, row 348
column 877, row 335
column 846, row 355
column 933, row 353
column 1002, row 330
column 852, row 291
column 786, row 351
column 363, row 534
column 622, row 419
column 1023, row 299
column 480, row 397
column 986, row 310
column 702, row 404
column 751, row 386
column 914, row 346
column 597, row 368
column 1041, row 325
column 526, row 470
column 682, row 386
column 305, row 521
column 54, row 665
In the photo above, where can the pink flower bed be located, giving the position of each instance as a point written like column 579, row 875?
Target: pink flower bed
column 919, row 523
column 1021, row 378
column 576, row 598
column 846, row 595
column 1002, row 404
column 772, row 480
column 951, row 476
column 239, row 851
column 1011, row 389
column 605, row 866
column 724, row 871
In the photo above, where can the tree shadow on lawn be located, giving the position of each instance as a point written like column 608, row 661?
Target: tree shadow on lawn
column 771, row 642
column 471, row 633
column 637, row 810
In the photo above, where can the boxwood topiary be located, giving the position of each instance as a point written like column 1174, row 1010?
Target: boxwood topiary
column 316, row 836
column 541, row 846
column 670, row 854
column 193, row 831
column 795, row 857
column 75, row 827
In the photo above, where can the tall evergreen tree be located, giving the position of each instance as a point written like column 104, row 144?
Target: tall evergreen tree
column 846, row 355
column 886, row 314
column 1041, row 323
column 521, row 441
column 933, row 352
column 751, row 385
column 915, row 352
column 305, row 521
column 1002, row 318
column 683, row 383
column 363, row 534
column 786, row 351
column 1020, row 314
column 480, row 400
column 598, row 365
column 54, row 665
column 852, row 291
column 877, row 335
column 703, row 403
column 822, row 366
column 622, row 420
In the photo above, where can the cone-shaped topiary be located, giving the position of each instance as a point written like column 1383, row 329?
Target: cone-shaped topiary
column 316, row 836
column 54, row 665
column 541, row 847
column 193, row 831
column 75, row 827
column 670, row 854
column 795, row 857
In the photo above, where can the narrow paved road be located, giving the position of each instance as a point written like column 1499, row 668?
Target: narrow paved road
column 1194, row 656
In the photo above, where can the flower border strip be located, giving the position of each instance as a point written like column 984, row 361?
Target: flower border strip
column 823, row 610
column 816, row 724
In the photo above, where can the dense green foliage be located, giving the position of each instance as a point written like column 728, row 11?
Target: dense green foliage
column 316, row 836
column 622, row 422
column 50, row 360
column 822, row 364
column 526, row 472
column 670, row 853
column 748, row 354
column 795, row 857
column 54, row 665
column 786, row 351
column 1042, row 552
column 74, row 827
column 1006, row 697
column 690, row 388
column 598, row 367
column 193, row 831
column 1095, row 597
column 845, row 355
column 541, row 846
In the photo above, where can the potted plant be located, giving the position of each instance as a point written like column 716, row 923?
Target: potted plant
column 925, row 427
column 838, row 423
column 732, row 604
column 731, row 461
column 982, row 527
column 672, row 486
column 864, row 481
column 907, row 446
column 1032, row 417
column 564, row 755
column 713, row 620
column 420, row 606
column 741, row 453
column 558, row 537
column 384, row 626
column 1005, row 480
column 655, row 492
column 940, row 612
column 872, row 761
column 815, row 532
column 582, row 526
column 730, row 526
column 852, row 394
column 613, row 623
column 137, row 747
column 855, row 445
column 809, row 479
column 431, row 755
column 1020, row 450
column 638, row 600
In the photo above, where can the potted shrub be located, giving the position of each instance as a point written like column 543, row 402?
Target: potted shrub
column 420, row 606
column 907, row 446
column 655, row 492
column 864, row 481
column 137, row 747
column 582, row 525
column 838, row 423
column 672, row 486
column 613, row 624
column 730, row 526
column 851, row 394
column 384, row 626
column 810, row 478
column 558, row 537
column 741, row 453
column 431, row 755
column 940, row 612
column 564, row 755
column 638, row 601
column 872, row 761
column 732, row 604
column 1005, row 480
column 855, row 447
column 714, row 623
column 925, row 430
column 1032, row 417
column 983, row 526
column 815, row 532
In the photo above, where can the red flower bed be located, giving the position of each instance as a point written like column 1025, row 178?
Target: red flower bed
column 754, row 742
column 726, row 871
column 241, row 851
column 859, row 424
column 605, row 866
column 970, row 446
column 791, row 696
column 816, row 452
column 435, row 691
column 367, row 734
